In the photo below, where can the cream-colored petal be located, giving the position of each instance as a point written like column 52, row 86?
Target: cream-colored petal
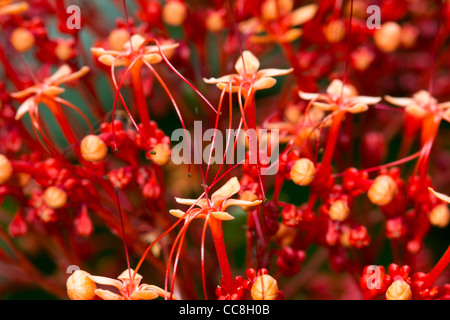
column 125, row 275
column 222, row 215
column 439, row 195
column 158, row 290
column 325, row 106
column 271, row 72
column 264, row 83
column 251, row 63
column 164, row 48
column 14, row 8
column 100, row 52
column 136, row 41
column 107, row 295
column 108, row 60
column 223, row 79
column 251, row 25
column 358, row 108
column 73, row 76
column 401, row 102
column 144, row 294
column 366, row 100
column 444, row 105
column 308, row 96
column 227, row 190
column 291, row 35
column 106, row 281
column 202, row 203
column 152, row 58
column 423, row 97
column 238, row 202
column 302, row 14
column 62, row 71
column 24, row 93
column 53, row 90
column 226, row 87
column 178, row 213
column 24, row 108
column 261, row 39
column 415, row 110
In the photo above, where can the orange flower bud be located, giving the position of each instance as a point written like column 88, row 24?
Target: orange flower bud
column 388, row 37
column 303, row 172
column 160, row 154
column 117, row 38
column 214, row 21
column 399, row 290
column 174, row 13
column 382, row 190
column 339, row 210
column 264, row 288
column 93, row 148
column 64, row 51
column 334, row 31
column 6, row 169
column 80, row 286
column 440, row 216
column 22, row 39
column 55, row 197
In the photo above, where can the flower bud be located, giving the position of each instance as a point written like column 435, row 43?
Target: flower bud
column 440, row 216
column 399, row 290
column 214, row 21
column 160, row 154
column 174, row 13
column 64, row 50
column 55, row 197
column 6, row 169
column 334, row 31
column 80, row 286
column 339, row 210
column 264, row 288
column 388, row 37
column 382, row 190
column 22, row 39
column 303, row 172
column 93, row 148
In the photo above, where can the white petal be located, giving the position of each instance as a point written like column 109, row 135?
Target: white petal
column 24, row 108
column 303, row 14
column 401, row 102
column 366, row 100
column 251, row 63
column 227, row 190
column 271, row 72
column 441, row 196
column 308, row 96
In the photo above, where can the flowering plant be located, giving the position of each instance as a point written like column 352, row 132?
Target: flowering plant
column 351, row 205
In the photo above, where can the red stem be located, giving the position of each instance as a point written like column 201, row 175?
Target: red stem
column 437, row 270
column 140, row 99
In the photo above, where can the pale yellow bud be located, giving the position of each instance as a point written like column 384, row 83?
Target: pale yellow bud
column 399, row 290
column 303, row 172
column 214, row 22
column 22, row 39
column 6, row 169
column 117, row 39
column 334, row 31
column 64, row 50
column 388, row 37
column 174, row 13
column 80, row 286
column 339, row 210
column 264, row 288
column 160, row 154
column 382, row 190
column 440, row 216
column 55, row 197
column 93, row 148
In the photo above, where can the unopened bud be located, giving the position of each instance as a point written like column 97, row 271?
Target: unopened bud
column 22, row 39
column 117, row 38
column 93, row 148
column 303, row 172
column 440, row 216
column 388, row 37
column 174, row 13
column 264, row 288
column 214, row 21
column 6, row 169
column 399, row 290
column 339, row 210
column 161, row 154
column 80, row 286
column 55, row 197
column 382, row 190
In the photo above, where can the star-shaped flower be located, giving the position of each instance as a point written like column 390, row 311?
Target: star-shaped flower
column 217, row 205
column 49, row 87
column 422, row 104
column 136, row 50
column 340, row 97
column 248, row 77
column 129, row 290
column 279, row 21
